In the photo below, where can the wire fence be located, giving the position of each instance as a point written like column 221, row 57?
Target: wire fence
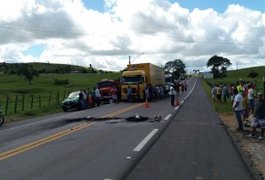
column 17, row 103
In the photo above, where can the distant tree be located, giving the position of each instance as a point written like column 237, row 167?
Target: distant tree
column 84, row 70
column 176, row 67
column 196, row 71
column 219, row 66
column 91, row 69
column 27, row 72
column 253, row 74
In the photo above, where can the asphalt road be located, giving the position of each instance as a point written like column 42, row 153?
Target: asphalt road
column 195, row 146
column 188, row 143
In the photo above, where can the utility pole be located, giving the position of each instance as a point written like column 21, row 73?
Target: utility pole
column 130, row 61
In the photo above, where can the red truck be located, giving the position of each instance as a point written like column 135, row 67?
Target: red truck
column 106, row 87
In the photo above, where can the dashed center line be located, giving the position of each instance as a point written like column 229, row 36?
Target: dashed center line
column 145, row 140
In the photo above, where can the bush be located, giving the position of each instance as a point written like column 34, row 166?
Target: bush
column 61, row 82
column 253, row 74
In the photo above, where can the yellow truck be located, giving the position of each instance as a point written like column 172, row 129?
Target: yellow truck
column 138, row 77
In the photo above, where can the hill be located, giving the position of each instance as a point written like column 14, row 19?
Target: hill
column 244, row 73
column 12, row 68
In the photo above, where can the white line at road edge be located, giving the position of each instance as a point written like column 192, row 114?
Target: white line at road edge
column 145, row 140
column 167, row 117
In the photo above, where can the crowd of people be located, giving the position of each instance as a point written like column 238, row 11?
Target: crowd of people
column 175, row 90
column 90, row 98
column 248, row 107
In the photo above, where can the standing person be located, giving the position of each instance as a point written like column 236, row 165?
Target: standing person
column 185, row 86
column 238, row 108
column 90, row 98
column 172, row 94
column 219, row 93
column 213, row 92
column 177, row 89
column 251, row 99
column 81, row 103
column 166, row 90
column 97, row 96
column 85, row 98
column 146, row 91
column 114, row 95
column 224, row 92
column 258, row 119
column 129, row 94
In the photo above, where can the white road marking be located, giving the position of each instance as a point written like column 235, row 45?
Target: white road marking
column 167, row 117
column 145, row 140
column 176, row 108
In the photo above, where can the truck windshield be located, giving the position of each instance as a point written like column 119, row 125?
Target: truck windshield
column 132, row 80
column 105, row 84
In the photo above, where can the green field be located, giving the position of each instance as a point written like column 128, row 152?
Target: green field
column 43, row 96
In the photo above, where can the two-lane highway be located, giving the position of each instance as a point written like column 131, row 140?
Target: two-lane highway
column 195, row 146
column 70, row 146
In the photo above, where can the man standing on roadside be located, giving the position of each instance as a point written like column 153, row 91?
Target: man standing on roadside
column 97, row 96
column 238, row 108
column 259, row 117
column 172, row 94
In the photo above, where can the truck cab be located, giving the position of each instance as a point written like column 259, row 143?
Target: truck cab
column 136, row 80
column 106, row 87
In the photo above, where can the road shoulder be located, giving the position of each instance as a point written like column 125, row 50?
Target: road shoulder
column 252, row 150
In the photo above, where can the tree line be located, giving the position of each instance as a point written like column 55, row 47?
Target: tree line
column 30, row 70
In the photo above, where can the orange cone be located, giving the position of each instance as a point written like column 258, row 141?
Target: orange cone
column 177, row 102
column 146, row 104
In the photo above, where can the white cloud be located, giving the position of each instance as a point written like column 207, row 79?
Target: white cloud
column 164, row 31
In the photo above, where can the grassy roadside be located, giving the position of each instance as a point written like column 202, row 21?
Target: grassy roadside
column 219, row 107
column 47, row 95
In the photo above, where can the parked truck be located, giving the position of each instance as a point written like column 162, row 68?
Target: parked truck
column 138, row 77
column 106, row 87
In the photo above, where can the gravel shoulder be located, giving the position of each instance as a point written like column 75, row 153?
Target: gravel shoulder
column 252, row 149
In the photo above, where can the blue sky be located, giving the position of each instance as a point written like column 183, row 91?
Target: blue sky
column 218, row 5
column 69, row 32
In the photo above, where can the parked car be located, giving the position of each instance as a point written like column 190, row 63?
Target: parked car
column 71, row 102
column 2, row 118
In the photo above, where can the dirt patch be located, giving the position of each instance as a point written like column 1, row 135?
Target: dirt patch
column 253, row 148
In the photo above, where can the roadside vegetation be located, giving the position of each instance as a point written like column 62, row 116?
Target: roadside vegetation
column 20, row 99
column 233, row 77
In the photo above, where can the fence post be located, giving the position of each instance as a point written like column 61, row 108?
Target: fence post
column 57, row 98
column 31, row 104
column 15, row 108
column 39, row 101
column 7, row 102
column 23, row 102
column 50, row 94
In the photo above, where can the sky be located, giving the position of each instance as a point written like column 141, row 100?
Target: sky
column 105, row 33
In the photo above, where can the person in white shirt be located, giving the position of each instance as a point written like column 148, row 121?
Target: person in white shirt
column 97, row 96
column 238, row 108
column 251, row 99
column 172, row 93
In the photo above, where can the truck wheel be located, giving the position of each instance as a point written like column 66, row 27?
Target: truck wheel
column 64, row 109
